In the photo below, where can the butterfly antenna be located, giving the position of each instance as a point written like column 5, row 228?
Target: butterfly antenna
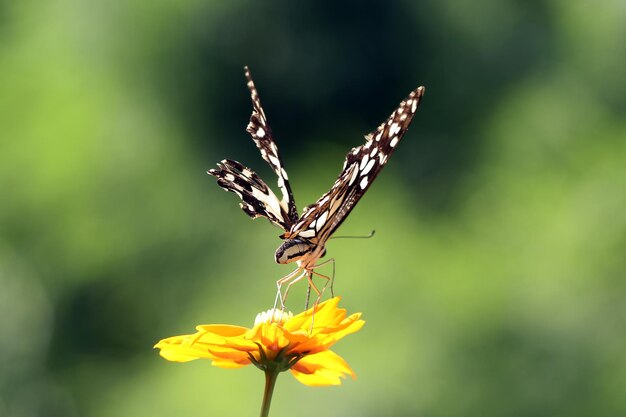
column 371, row 234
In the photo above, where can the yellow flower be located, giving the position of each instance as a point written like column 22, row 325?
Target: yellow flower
column 278, row 341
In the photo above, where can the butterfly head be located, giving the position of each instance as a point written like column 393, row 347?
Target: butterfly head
column 299, row 249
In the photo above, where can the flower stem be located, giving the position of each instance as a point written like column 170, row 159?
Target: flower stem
column 270, row 382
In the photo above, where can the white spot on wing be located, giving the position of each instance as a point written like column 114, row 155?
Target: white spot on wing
column 260, row 132
column 368, row 167
column 363, row 183
column 307, row 233
column 364, row 162
column 373, row 152
column 270, row 201
column 393, row 142
column 395, row 128
column 354, row 174
column 284, row 173
column 274, row 160
column 321, row 220
column 414, row 106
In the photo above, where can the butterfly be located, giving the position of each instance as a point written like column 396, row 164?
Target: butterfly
column 305, row 236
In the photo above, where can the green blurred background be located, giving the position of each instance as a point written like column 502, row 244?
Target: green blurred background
column 494, row 286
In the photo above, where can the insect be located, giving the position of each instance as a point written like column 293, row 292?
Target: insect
column 305, row 236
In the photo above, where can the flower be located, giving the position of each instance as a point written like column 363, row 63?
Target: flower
column 277, row 342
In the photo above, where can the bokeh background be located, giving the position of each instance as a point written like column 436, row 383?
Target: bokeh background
column 495, row 284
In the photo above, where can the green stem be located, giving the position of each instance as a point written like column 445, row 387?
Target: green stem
column 270, row 382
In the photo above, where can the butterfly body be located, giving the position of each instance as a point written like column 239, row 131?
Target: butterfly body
column 305, row 236
column 299, row 250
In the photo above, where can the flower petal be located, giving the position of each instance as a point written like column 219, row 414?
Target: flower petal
column 305, row 338
column 178, row 349
column 324, row 368
column 225, row 330
column 219, row 353
column 320, row 316
column 324, row 341
column 269, row 335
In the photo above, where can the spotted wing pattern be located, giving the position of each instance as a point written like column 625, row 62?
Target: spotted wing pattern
column 257, row 199
column 361, row 166
column 320, row 220
column 262, row 136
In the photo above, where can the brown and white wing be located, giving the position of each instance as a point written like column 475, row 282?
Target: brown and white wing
column 361, row 166
column 261, row 133
column 257, row 199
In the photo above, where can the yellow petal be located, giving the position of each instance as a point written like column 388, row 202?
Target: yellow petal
column 340, row 324
column 172, row 350
column 324, row 368
column 322, row 342
column 225, row 330
column 308, row 335
column 173, row 356
column 323, row 314
column 269, row 335
column 228, row 354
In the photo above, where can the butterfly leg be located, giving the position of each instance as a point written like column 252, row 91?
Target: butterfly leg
column 331, row 280
column 291, row 282
column 319, row 293
column 279, row 284
column 308, row 296
column 309, row 277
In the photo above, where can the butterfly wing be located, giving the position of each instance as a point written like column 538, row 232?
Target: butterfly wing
column 262, row 136
column 258, row 200
column 361, row 166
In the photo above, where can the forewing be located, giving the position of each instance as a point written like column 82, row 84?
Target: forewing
column 258, row 200
column 361, row 166
column 262, row 136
